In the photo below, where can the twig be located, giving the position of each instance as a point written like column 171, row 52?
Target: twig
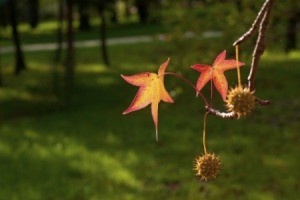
column 204, row 133
column 254, row 25
column 262, row 102
column 225, row 115
column 231, row 115
column 261, row 21
column 260, row 45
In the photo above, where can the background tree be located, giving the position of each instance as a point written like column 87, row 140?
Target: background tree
column 149, row 11
column 19, row 58
column 84, row 16
column 292, row 27
column 59, row 46
column 143, row 10
column 3, row 24
column 4, row 19
column 59, row 33
column 69, row 66
column 1, row 82
column 101, row 8
column 33, row 12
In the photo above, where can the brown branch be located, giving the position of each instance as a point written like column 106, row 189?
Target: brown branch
column 262, row 20
column 255, row 24
column 262, row 102
column 224, row 115
column 231, row 115
column 260, row 45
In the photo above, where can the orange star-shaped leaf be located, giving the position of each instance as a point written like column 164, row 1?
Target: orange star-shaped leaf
column 152, row 90
column 216, row 73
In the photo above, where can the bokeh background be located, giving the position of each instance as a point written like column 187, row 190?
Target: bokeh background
column 62, row 132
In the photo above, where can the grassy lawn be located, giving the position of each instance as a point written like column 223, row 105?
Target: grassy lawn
column 90, row 151
column 46, row 32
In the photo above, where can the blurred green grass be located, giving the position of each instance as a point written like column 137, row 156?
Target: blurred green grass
column 91, row 151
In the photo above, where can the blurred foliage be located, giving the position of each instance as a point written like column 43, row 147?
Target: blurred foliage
column 208, row 29
column 201, row 19
column 189, row 17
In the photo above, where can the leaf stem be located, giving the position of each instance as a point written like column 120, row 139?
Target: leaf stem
column 255, row 24
column 237, row 64
column 189, row 83
column 204, row 134
column 211, row 89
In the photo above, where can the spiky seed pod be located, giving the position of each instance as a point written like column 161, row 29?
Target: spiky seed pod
column 241, row 101
column 207, row 167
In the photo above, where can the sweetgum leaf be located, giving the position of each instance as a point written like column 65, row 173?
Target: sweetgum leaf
column 216, row 73
column 151, row 91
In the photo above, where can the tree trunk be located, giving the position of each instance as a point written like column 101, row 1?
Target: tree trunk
column 239, row 5
column 103, row 36
column 58, row 50
column 33, row 13
column 59, row 34
column 69, row 67
column 84, row 18
column 19, row 59
column 291, row 31
column 143, row 12
column 1, row 81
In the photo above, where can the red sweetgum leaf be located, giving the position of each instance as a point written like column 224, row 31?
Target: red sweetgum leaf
column 216, row 73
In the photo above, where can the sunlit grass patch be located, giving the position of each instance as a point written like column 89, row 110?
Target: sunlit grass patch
column 279, row 56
